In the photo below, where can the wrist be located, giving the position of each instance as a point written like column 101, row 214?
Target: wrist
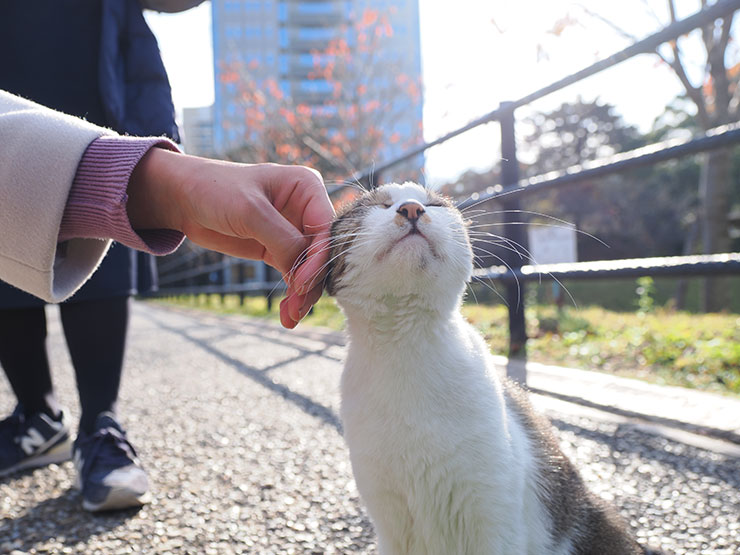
column 154, row 196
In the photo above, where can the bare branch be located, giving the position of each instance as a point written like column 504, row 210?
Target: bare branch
column 726, row 27
column 694, row 93
column 672, row 10
column 614, row 27
column 649, row 9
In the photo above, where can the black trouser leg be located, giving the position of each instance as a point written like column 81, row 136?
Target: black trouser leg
column 24, row 359
column 96, row 337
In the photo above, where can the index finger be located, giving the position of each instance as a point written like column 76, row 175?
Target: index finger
column 317, row 219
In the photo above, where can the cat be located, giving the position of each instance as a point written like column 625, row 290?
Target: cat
column 448, row 458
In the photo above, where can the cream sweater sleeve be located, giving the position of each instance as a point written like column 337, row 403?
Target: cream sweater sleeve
column 40, row 150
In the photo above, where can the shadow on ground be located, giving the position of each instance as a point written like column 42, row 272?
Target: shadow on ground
column 71, row 525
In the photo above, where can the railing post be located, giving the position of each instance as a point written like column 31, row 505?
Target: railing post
column 226, row 278
column 241, row 278
column 517, row 241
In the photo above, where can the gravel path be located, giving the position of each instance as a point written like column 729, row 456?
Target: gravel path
column 235, row 421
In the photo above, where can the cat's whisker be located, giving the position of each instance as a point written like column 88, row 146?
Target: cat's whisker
column 341, row 253
column 472, row 292
column 488, row 199
column 533, row 261
column 579, row 231
column 511, row 270
column 512, row 246
column 490, row 286
column 328, row 244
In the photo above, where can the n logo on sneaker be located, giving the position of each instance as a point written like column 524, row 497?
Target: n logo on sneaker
column 33, row 441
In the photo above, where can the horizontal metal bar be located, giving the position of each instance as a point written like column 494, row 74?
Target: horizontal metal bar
column 718, row 137
column 669, row 266
column 255, row 288
column 648, row 44
column 192, row 272
column 169, row 263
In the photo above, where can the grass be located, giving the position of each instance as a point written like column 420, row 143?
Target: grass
column 663, row 346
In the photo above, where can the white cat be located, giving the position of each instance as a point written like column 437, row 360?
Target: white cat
column 448, row 459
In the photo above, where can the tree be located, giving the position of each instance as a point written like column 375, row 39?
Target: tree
column 636, row 213
column 356, row 95
column 715, row 95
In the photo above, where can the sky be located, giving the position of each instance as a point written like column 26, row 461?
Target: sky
column 477, row 54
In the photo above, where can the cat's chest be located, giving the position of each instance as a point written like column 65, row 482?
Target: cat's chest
column 408, row 396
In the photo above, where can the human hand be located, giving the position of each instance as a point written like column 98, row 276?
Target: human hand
column 278, row 214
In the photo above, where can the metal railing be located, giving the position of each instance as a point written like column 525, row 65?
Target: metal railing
column 514, row 273
column 511, row 190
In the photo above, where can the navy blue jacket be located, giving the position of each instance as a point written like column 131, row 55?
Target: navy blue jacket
column 133, row 82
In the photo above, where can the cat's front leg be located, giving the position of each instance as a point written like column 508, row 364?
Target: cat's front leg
column 392, row 522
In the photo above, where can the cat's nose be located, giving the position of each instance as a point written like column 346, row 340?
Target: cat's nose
column 411, row 210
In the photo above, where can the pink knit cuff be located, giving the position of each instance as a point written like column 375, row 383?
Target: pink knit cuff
column 96, row 206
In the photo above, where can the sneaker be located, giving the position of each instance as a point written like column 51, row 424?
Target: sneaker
column 108, row 471
column 31, row 442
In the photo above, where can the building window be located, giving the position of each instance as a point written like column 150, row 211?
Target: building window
column 233, row 32
column 252, row 32
column 316, row 33
column 317, row 86
column 316, row 7
column 311, row 60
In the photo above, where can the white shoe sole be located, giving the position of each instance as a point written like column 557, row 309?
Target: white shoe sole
column 118, row 498
column 57, row 454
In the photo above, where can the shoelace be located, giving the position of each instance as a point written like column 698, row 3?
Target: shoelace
column 96, row 441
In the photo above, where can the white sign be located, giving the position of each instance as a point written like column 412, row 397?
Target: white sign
column 552, row 244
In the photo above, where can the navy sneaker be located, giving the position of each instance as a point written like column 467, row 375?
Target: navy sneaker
column 108, row 470
column 31, row 442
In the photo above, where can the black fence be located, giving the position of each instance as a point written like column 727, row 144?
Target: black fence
column 514, row 273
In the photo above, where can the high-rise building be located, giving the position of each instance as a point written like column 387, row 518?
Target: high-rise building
column 197, row 131
column 277, row 40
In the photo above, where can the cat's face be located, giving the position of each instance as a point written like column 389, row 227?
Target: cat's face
column 399, row 240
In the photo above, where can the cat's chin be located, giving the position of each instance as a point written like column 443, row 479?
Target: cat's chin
column 410, row 251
